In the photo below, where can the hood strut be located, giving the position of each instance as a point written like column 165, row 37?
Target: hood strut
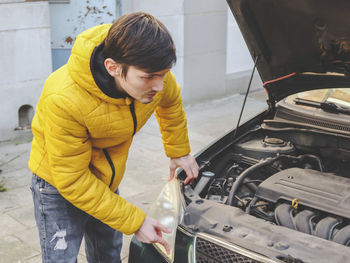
column 246, row 95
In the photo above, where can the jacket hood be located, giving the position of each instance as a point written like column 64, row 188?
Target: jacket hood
column 79, row 63
column 299, row 45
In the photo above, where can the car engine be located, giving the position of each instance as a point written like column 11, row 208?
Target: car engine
column 298, row 180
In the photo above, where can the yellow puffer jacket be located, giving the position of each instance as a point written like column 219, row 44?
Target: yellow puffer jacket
column 82, row 136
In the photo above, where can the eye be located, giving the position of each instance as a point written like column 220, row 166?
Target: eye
column 147, row 77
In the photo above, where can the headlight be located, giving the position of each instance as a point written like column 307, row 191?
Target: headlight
column 168, row 210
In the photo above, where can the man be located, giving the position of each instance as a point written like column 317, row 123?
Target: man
column 88, row 112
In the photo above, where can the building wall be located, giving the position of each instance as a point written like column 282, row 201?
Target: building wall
column 204, row 49
column 238, row 56
column 171, row 13
column 71, row 18
column 25, row 59
column 239, row 63
column 199, row 31
column 213, row 60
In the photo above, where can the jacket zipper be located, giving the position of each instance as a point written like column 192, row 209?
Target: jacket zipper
column 132, row 110
column 111, row 164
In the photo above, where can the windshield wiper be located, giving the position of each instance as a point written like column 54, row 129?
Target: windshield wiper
column 326, row 106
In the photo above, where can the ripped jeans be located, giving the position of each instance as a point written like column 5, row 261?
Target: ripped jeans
column 62, row 227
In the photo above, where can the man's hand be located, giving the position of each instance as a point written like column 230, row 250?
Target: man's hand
column 151, row 232
column 188, row 163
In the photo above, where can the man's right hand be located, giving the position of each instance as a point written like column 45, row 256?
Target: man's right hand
column 151, row 232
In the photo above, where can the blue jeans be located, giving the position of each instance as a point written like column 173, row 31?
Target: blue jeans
column 62, row 227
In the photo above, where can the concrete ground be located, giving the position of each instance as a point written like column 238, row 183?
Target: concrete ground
column 146, row 173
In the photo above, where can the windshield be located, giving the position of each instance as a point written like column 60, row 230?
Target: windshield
column 340, row 97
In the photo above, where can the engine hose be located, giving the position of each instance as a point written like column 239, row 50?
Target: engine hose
column 263, row 163
column 247, row 172
column 318, row 160
column 252, row 209
column 308, row 156
column 251, row 204
column 223, row 164
column 252, row 186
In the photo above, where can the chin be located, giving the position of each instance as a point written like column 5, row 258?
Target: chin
column 146, row 101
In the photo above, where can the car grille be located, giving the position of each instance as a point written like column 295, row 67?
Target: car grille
column 208, row 252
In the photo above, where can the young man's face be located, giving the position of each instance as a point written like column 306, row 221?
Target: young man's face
column 141, row 85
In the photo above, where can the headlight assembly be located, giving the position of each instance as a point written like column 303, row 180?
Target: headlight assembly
column 168, row 210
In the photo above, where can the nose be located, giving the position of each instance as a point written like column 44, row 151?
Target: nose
column 158, row 85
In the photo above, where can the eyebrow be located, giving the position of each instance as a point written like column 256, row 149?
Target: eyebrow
column 154, row 74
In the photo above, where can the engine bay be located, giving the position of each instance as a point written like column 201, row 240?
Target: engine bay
column 295, row 178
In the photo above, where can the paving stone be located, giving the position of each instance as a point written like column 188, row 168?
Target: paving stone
column 12, row 226
column 154, row 141
column 6, row 203
column 142, row 156
column 14, row 250
column 131, row 184
column 15, row 198
column 35, row 259
column 30, row 237
column 24, row 215
column 14, row 156
column 18, row 178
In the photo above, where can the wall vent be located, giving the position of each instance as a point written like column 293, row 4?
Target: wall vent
column 25, row 116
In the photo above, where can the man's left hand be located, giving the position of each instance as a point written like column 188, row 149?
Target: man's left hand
column 188, row 164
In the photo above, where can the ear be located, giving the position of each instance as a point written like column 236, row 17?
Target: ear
column 113, row 68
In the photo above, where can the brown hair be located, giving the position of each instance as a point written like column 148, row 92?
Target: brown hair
column 140, row 40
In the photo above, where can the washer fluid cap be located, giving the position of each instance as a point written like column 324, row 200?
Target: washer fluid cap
column 208, row 174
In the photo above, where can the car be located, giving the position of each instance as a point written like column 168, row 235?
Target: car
column 277, row 187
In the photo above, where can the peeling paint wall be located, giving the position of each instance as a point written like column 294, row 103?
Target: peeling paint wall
column 70, row 19
column 25, row 62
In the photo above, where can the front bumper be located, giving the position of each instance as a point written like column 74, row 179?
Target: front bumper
column 214, row 233
column 201, row 248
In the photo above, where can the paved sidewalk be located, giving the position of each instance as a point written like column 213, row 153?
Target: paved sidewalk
column 146, row 173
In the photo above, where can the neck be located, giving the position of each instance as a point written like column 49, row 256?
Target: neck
column 118, row 86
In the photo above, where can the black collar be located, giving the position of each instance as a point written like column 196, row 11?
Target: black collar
column 104, row 81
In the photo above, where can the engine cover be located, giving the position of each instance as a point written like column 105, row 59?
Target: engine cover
column 322, row 191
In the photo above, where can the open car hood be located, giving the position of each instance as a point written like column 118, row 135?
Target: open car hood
column 301, row 45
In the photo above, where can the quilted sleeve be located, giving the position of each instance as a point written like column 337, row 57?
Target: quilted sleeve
column 172, row 119
column 69, row 154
